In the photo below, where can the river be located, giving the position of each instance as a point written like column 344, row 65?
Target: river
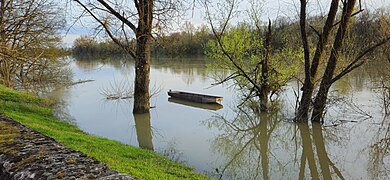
column 232, row 142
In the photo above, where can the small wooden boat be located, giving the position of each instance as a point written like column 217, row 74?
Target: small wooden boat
column 208, row 106
column 199, row 98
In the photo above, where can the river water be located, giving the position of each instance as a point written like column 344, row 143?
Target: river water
column 232, row 142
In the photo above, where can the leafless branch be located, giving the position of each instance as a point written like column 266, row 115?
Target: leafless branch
column 359, row 59
column 354, row 14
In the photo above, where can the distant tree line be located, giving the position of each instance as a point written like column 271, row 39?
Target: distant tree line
column 188, row 42
column 85, row 46
column 192, row 41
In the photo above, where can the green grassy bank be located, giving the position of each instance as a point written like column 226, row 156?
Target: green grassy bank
column 36, row 113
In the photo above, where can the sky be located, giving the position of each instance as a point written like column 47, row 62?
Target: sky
column 272, row 9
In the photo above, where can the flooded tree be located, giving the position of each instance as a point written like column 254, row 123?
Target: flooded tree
column 29, row 43
column 246, row 51
column 326, row 56
column 331, row 73
column 121, row 21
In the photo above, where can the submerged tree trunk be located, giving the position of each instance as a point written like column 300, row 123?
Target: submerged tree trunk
column 142, row 75
column 326, row 83
column 307, row 88
column 305, row 103
column 142, row 59
column 142, row 30
column 311, row 68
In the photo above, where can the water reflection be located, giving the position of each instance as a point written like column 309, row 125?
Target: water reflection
column 241, row 143
column 144, row 130
column 210, row 106
column 379, row 151
column 261, row 146
column 314, row 139
column 246, row 143
column 189, row 68
column 88, row 65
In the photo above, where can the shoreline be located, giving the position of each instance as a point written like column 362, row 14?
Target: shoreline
column 36, row 113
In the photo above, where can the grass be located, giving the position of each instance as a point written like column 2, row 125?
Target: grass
column 36, row 113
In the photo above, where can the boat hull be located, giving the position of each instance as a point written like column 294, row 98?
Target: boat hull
column 208, row 106
column 194, row 97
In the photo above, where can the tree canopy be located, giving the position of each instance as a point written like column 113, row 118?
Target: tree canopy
column 29, row 38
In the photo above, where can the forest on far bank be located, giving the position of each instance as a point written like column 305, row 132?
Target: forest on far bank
column 193, row 41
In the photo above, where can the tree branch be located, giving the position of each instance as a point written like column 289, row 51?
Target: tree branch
column 231, row 76
column 220, row 44
column 119, row 16
column 354, row 14
column 315, row 30
column 355, row 63
column 104, row 25
column 302, row 22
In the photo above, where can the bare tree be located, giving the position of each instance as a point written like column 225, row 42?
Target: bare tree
column 246, row 53
column 312, row 66
column 124, row 20
column 27, row 32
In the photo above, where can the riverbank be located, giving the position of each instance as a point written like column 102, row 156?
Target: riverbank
column 27, row 154
column 36, row 113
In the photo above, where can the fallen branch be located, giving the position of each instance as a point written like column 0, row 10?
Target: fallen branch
column 81, row 82
column 116, row 97
column 341, row 122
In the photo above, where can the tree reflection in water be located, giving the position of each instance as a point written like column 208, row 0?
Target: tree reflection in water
column 144, row 130
column 380, row 150
column 315, row 139
column 145, row 134
column 262, row 146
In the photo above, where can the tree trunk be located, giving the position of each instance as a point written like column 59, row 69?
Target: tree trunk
column 307, row 88
column 311, row 70
column 264, row 90
column 142, row 73
column 142, row 59
column 305, row 103
column 326, row 83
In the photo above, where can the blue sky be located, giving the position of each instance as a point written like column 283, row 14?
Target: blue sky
column 271, row 9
